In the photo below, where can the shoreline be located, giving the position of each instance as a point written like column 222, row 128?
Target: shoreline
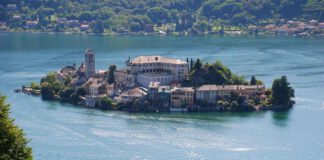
column 245, row 34
column 214, row 109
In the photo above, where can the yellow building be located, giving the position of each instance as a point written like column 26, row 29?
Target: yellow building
column 182, row 96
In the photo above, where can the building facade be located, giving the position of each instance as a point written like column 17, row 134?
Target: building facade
column 157, row 68
column 210, row 93
column 207, row 93
column 164, row 96
column 153, row 91
column 123, row 78
column 182, row 96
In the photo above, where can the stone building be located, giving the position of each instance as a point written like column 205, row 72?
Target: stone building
column 90, row 68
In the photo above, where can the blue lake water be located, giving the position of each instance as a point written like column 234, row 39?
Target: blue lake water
column 67, row 132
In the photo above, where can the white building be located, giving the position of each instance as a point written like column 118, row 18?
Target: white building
column 157, row 68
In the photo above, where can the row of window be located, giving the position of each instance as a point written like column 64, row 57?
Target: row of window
column 159, row 64
column 159, row 79
column 156, row 70
column 183, row 93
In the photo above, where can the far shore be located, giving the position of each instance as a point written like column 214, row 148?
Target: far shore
column 168, row 35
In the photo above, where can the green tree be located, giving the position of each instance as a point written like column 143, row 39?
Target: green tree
column 253, row 80
column 50, row 78
column 67, row 80
column 191, row 64
column 46, row 11
column 243, row 18
column 81, row 91
column 201, row 26
column 86, row 16
column 13, row 144
column 4, row 16
column 66, row 93
column 98, row 27
column 158, row 14
column 34, row 85
column 47, row 92
column 106, row 103
column 111, row 78
column 282, row 92
column 234, row 105
column 135, row 26
column 198, row 64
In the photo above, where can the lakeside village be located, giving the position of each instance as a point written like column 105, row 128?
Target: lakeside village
column 18, row 22
column 160, row 84
column 285, row 27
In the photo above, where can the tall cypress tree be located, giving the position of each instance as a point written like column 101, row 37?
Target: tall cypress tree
column 191, row 64
column 188, row 63
column 198, row 64
column 253, row 81
column 13, row 144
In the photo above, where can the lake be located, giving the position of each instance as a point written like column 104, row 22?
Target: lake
column 66, row 132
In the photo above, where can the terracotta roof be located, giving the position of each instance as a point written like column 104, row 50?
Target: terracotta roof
column 95, row 82
column 227, row 87
column 67, row 70
column 183, row 89
column 156, row 59
column 207, row 88
column 123, row 70
column 135, row 92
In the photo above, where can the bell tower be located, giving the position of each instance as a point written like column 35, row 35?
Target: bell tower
column 89, row 63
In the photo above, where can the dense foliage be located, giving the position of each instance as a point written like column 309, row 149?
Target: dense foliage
column 133, row 15
column 111, row 71
column 282, row 92
column 215, row 73
column 13, row 144
column 106, row 103
column 53, row 89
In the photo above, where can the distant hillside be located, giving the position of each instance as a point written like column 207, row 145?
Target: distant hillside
column 133, row 15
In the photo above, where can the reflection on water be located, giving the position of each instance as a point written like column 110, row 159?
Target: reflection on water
column 281, row 118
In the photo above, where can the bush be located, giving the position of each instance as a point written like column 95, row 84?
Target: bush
column 35, row 86
column 106, row 103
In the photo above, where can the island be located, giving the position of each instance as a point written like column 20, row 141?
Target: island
column 161, row 84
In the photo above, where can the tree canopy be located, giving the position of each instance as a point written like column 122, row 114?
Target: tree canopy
column 13, row 144
column 119, row 15
column 282, row 92
column 215, row 73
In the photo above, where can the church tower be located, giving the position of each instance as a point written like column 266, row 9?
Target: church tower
column 90, row 69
